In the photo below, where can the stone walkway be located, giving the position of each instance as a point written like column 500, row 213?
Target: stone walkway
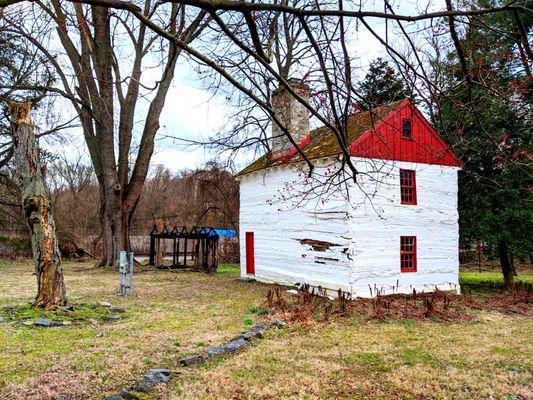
column 157, row 376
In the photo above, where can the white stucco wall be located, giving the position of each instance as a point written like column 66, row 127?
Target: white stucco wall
column 364, row 221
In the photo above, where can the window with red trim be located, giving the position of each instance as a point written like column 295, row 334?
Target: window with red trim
column 408, row 253
column 407, row 186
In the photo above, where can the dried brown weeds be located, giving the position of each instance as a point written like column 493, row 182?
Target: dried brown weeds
column 311, row 305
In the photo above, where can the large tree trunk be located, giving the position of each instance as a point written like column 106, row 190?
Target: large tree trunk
column 505, row 262
column 37, row 208
column 115, row 220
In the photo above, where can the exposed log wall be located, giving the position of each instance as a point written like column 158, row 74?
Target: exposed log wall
column 351, row 241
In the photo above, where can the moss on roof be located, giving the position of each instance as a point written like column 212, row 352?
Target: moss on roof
column 323, row 141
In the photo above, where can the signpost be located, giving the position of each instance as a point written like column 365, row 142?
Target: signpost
column 125, row 269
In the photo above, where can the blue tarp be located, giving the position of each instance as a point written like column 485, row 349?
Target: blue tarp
column 226, row 232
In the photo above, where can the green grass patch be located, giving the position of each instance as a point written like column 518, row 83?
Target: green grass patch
column 414, row 356
column 229, row 270
column 487, row 282
column 171, row 313
column 258, row 310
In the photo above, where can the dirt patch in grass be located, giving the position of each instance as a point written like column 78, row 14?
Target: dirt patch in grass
column 76, row 314
column 311, row 306
column 56, row 384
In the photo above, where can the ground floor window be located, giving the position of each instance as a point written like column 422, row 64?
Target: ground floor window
column 408, row 253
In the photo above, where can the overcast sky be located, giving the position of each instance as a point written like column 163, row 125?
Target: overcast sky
column 193, row 113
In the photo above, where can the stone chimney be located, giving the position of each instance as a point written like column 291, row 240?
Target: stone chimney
column 292, row 114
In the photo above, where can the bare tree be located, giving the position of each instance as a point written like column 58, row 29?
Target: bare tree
column 105, row 88
column 51, row 291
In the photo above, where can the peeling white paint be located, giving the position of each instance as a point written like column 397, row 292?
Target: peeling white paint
column 363, row 220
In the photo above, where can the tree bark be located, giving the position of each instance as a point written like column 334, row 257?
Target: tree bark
column 505, row 263
column 115, row 219
column 513, row 266
column 51, row 291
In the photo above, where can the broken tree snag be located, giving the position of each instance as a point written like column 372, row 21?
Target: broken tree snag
column 37, row 209
column 318, row 245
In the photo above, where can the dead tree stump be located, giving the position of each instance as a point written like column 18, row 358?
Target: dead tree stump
column 51, row 291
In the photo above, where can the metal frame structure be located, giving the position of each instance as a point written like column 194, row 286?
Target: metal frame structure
column 195, row 248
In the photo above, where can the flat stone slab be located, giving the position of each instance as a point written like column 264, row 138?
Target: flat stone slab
column 125, row 395
column 114, row 309
column 192, row 360
column 258, row 327
column 214, row 351
column 1, row 319
column 154, row 377
column 43, row 322
column 245, row 336
column 279, row 324
column 259, row 330
column 114, row 318
column 164, row 371
column 104, row 304
column 142, row 387
column 234, row 345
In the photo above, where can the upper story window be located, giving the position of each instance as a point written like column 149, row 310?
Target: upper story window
column 408, row 253
column 407, row 186
column 406, row 128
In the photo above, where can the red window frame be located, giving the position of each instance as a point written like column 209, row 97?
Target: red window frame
column 408, row 186
column 408, row 257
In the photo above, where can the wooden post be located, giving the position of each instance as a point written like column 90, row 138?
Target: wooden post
column 174, row 262
column 185, row 254
column 158, row 254
column 152, row 250
column 51, row 291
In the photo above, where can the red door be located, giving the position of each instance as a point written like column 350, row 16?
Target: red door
column 250, row 257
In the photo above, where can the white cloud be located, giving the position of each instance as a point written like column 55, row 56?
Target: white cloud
column 192, row 112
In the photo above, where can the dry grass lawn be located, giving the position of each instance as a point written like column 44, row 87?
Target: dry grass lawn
column 175, row 314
